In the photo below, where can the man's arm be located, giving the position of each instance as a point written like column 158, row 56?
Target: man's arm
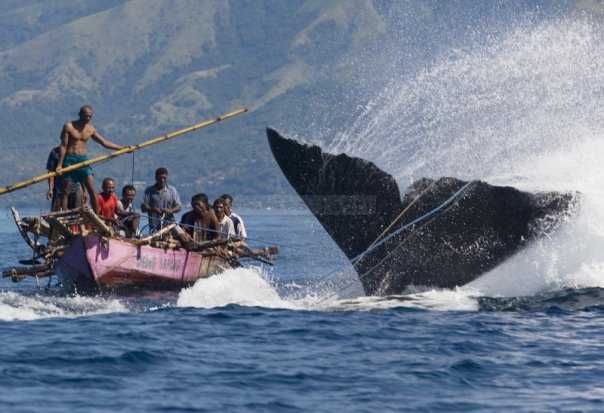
column 176, row 206
column 63, row 147
column 145, row 205
column 146, row 208
column 51, row 167
column 242, row 230
column 214, row 225
column 51, row 187
column 105, row 142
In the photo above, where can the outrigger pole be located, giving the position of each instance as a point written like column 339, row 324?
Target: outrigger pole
column 123, row 151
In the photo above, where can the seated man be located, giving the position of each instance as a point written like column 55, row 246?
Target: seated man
column 237, row 220
column 57, row 186
column 128, row 217
column 200, row 223
column 107, row 202
column 161, row 201
column 226, row 229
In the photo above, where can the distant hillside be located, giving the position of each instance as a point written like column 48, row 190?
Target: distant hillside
column 151, row 66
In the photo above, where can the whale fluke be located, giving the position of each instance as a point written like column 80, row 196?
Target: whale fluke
column 355, row 202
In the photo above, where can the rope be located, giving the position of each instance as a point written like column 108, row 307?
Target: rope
column 132, row 176
column 398, row 231
column 372, row 248
column 399, row 216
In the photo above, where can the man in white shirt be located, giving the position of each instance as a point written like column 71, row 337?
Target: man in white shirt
column 126, row 212
column 226, row 229
column 237, row 220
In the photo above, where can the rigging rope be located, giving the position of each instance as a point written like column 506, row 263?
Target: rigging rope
column 375, row 245
column 132, row 176
column 399, row 216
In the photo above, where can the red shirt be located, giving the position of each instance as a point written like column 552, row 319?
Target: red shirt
column 107, row 205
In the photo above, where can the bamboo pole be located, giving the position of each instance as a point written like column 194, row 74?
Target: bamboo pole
column 123, row 151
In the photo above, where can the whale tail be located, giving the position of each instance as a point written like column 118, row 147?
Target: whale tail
column 454, row 241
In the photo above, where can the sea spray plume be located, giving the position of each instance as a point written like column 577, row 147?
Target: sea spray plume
column 479, row 111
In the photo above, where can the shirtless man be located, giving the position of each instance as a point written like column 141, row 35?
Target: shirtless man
column 73, row 149
column 200, row 223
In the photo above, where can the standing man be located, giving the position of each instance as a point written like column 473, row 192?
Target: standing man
column 237, row 220
column 161, row 201
column 56, row 188
column 73, row 150
column 54, row 183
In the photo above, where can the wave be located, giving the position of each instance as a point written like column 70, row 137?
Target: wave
column 16, row 307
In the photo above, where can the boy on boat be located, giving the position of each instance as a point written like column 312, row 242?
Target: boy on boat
column 126, row 212
column 226, row 229
column 161, row 201
column 237, row 220
column 200, row 223
column 74, row 138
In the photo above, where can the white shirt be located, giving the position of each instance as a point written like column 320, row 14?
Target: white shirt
column 226, row 228
column 240, row 230
column 120, row 207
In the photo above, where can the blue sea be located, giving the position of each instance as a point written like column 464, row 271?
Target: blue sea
column 297, row 337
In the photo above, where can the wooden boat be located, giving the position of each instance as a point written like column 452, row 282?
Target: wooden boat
column 89, row 256
column 92, row 262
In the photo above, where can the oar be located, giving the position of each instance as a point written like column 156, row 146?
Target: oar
column 123, row 151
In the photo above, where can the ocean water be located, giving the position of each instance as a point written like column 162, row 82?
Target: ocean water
column 517, row 102
column 287, row 339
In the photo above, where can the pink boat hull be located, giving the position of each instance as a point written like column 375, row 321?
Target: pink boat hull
column 93, row 263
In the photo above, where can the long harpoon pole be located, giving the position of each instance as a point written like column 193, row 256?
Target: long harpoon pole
column 123, row 151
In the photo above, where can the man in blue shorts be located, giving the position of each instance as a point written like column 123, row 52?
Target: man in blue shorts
column 74, row 138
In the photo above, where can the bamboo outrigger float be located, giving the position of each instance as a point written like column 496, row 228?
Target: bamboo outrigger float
column 88, row 255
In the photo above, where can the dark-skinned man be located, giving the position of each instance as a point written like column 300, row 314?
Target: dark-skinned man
column 161, row 201
column 200, row 223
column 74, row 140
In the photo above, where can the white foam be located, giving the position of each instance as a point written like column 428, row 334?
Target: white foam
column 458, row 299
column 15, row 307
column 241, row 286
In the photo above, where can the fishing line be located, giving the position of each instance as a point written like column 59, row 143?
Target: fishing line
column 132, row 176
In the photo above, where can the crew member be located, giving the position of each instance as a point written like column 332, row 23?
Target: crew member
column 161, row 201
column 201, row 222
column 226, row 229
column 237, row 220
column 107, row 201
column 55, row 185
column 73, row 150
column 126, row 212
